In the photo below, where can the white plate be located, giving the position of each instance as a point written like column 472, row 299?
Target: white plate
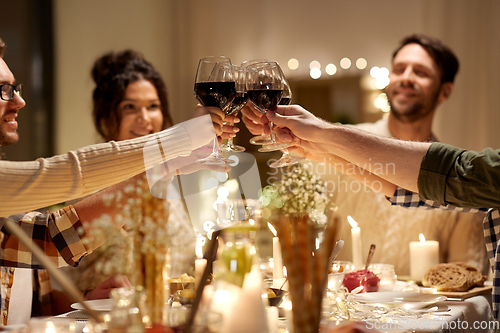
column 19, row 327
column 408, row 300
column 97, row 305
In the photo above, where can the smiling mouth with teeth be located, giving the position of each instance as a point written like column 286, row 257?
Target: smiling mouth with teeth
column 141, row 133
column 9, row 119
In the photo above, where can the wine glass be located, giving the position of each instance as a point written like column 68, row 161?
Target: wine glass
column 264, row 88
column 214, row 86
column 286, row 159
column 261, row 139
column 236, row 105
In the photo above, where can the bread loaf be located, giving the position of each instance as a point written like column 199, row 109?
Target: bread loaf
column 457, row 276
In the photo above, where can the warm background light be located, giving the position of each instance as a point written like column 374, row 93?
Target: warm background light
column 361, row 63
column 315, row 73
column 314, row 64
column 293, row 64
column 345, row 63
column 331, row 69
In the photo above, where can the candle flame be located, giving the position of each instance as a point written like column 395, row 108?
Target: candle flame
column 271, row 228
column 353, row 223
column 421, row 238
column 200, row 240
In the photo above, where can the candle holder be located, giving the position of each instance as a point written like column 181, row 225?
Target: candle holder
column 386, row 274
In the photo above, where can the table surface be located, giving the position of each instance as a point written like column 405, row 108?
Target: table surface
column 463, row 316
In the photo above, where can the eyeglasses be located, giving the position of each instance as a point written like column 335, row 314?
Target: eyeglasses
column 8, row 91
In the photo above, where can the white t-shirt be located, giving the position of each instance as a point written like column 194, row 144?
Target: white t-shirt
column 21, row 297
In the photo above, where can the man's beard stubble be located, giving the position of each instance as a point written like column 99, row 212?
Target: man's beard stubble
column 416, row 111
column 6, row 139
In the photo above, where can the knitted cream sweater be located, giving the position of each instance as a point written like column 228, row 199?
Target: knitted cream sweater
column 26, row 186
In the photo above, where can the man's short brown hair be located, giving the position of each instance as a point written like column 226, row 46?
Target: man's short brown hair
column 444, row 57
column 2, row 48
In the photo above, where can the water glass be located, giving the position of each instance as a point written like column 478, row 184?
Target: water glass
column 386, row 274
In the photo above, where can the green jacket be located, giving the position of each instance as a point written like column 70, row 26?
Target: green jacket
column 455, row 176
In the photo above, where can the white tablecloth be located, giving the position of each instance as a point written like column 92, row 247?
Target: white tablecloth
column 470, row 315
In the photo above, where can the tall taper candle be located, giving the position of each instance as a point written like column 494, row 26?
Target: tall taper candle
column 277, row 258
column 200, row 263
column 357, row 258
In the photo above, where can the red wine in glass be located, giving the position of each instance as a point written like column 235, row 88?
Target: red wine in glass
column 215, row 87
column 265, row 99
column 285, row 101
column 218, row 94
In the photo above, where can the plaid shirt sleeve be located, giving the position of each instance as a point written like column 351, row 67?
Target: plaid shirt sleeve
column 408, row 199
column 58, row 234
column 491, row 231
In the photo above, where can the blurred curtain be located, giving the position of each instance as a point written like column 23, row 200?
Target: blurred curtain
column 471, row 28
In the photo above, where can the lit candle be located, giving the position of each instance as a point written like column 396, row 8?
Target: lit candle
column 423, row 255
column 356, row 243
column 200, row 263
column 277, row 258
column 247, row 313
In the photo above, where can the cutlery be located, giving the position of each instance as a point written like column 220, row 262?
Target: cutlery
column 335, row 252
column 370, row 255
column 433, row 309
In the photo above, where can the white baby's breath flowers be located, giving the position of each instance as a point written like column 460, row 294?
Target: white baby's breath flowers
column 299, row 191
column 145, row 218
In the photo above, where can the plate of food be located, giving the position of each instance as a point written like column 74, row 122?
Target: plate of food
column 395, row 299
column 97, row 305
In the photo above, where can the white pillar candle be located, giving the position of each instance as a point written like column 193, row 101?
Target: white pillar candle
column 356, row 244
column 248, row 314
column 423, row 255
column 200, row 263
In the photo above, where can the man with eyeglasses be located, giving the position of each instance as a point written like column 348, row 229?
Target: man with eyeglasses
column 64, row 235
column 8, row 91
column 8, row 123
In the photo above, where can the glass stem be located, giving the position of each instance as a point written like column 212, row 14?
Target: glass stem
column 215, row 150
column 273, row 139
column 230, row 140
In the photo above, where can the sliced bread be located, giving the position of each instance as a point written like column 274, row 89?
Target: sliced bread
column 457, row 276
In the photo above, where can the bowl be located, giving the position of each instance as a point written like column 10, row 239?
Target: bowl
column 276, row 301
column 364, row 277
column 177, row 286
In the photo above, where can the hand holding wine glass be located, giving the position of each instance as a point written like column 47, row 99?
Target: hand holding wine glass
column 264, row 88
column 258, row 139
column 215, row 86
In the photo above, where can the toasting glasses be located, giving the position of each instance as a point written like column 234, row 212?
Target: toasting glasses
column 215, row 86
column 265, row 87
column 236, row 105
column 263, row 138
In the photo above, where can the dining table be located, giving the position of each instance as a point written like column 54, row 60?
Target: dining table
column 448, row 314
column 467, row 314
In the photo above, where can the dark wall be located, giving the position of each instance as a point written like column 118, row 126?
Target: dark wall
column 26, row 28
